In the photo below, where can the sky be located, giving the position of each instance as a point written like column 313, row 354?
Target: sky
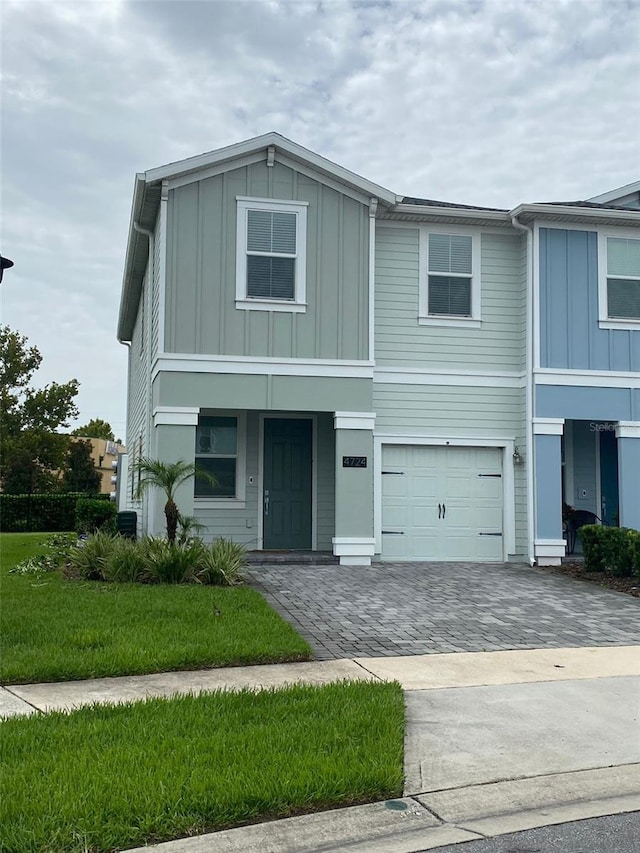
column 487, row 102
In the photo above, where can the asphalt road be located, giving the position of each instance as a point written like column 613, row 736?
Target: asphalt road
column 613, row 834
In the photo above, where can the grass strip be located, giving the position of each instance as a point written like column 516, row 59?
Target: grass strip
column 105, row 778
column 52, row 629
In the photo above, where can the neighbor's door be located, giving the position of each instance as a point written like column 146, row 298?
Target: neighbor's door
column 609, row 478
column 287, row 484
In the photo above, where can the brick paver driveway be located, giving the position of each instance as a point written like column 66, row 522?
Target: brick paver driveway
column 422, row 608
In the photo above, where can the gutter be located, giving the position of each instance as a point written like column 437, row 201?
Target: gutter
column 529, row 389
column 575, row 212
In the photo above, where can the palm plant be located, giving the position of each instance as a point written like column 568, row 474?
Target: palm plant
column 168, row 477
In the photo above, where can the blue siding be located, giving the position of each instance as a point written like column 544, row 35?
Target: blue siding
column 569, row 334
column 629, row 483
column 548, row 487
column 580, row 403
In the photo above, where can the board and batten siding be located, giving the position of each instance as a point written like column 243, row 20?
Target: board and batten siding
column 458, row 411
column 399, row 339
column 201, row 316
column 138, row 412
column 241, row 523
column 156, row 345
column 570, row 337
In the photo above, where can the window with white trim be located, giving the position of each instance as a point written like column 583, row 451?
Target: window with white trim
column 271, row 255
column 619, row 281
column 218, row 445
column 449, row 279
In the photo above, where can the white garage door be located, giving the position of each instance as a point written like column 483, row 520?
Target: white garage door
column 442, row 503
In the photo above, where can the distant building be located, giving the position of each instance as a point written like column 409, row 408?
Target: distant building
column 104, row 453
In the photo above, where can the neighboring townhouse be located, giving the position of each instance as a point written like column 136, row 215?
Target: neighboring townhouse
column 356, row 369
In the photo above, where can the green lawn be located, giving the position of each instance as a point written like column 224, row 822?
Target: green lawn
column 53, row 629
column 106, row 778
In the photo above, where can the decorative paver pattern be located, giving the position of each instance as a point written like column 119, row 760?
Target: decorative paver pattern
column 423, row 608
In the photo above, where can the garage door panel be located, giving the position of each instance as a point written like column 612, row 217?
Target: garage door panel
column 447, row 476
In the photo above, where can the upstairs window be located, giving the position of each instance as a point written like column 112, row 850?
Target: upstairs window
column 619, row 262
column 271, row 255
column 449, row 277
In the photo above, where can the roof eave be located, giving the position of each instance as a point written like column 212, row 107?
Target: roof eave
column 285, row 146
column 125, row 325
column 496, row 217
column 562, row 212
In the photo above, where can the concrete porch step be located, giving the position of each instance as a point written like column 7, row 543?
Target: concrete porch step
column 263, row 558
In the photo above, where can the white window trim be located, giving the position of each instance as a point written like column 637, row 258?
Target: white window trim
column 426, row 319
column 239, row 502
column 604, row 321
column 298, row 304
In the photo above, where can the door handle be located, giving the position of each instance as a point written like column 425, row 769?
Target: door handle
column 444, row 510
column 266, row 505
column 439, row 510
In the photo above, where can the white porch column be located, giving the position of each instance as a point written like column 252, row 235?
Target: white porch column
column 628, row 435
column 549, row 543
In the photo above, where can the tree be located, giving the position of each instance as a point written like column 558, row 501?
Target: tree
column 31, row 448
column 167, row 476
column 80, row 474
column 96, row 428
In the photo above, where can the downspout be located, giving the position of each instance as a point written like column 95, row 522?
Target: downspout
column 147, row 354
column 529, row 393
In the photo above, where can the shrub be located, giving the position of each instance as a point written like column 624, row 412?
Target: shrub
column 591, row 538
column 223, row 562
column 89, row 557
column 94, row 514
column 125, row 563
column 171, row 562
column 615, row 550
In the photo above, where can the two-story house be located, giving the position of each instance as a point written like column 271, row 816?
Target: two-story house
column 361, row 372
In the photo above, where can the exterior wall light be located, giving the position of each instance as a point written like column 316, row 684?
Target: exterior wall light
column 5, row 264
column 517, row 456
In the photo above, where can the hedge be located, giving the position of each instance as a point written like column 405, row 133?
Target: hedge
column 615, row 550
column 40, row 513
column 93, row 514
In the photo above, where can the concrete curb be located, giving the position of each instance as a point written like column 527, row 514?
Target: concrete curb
column 414, row 824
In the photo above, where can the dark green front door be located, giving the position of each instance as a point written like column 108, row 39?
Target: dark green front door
column 287, row 484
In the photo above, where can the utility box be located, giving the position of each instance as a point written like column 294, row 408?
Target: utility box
column 127, row 524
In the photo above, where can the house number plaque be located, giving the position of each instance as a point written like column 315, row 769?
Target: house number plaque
column 354, row 461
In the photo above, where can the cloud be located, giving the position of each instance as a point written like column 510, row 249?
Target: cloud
column 494, row 103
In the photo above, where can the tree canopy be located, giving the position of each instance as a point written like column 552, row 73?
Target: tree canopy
column 80, row 474
column 96, row 428
column 32, row 450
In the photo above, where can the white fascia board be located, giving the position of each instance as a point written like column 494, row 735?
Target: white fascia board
column 587, row 378
column 497, row 216
column 181, row 362
column 354, row 420
column 614, row 194
column 280, row 143
column 426, row 376
column 577, row 213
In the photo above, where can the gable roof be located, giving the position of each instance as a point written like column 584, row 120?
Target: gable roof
column 148, row 187
column 618, row 194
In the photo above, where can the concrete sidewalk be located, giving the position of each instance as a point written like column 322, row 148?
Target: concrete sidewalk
column 495, row 742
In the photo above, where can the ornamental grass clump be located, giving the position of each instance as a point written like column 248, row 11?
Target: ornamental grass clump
column 222, row 563
column 171, row 562
column 89, row 558
column 126, row 563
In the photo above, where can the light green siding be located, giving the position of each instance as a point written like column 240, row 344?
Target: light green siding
column 401, row 341
column 201, row 270
column 252, row 391
column 458, row 411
